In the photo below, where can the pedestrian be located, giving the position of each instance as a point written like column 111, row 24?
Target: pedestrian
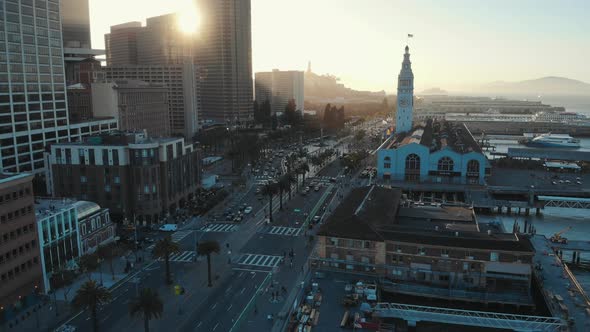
column 291, row 265
column 302, row 268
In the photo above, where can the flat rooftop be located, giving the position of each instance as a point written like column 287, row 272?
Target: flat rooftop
column 48, row 206
column 437, row 135
column 378, row 214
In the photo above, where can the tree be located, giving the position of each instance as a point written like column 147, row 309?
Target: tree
column 359, row 135
column 62, row 278
column 206, row 249
column 90, row 296
column 269, row 189
column 303, row 169
column 108, row 253
column 163, row 249
column 288, row 179
column 291, row 116
column 89, row 263
column 148, row 304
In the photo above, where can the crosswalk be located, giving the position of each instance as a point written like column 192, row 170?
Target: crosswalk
column 282, row 230
column 219, row 227
column 181, row 257
column 178, row 236
column 256, row 260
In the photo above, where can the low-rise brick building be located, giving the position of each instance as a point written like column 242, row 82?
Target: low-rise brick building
column 131, row 174
column 436, row 251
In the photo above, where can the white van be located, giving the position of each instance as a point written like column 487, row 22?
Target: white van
column 169, row 228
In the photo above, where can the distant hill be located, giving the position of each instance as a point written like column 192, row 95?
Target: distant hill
column 327, row 88
column 434, row 91
column 550, row 85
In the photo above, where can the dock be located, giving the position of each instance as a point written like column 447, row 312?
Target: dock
column 563, row 294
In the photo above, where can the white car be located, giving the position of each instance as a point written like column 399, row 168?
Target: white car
column 248, row 210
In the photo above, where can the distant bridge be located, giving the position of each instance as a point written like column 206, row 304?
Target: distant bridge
column 415, row 313
column 565, row 202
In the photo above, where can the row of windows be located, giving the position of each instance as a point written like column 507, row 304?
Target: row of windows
column 14, row 253
column 8, row 216
column 15, row 195
column 11, row 274
column 444, row 164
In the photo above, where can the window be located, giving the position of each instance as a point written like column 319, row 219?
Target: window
column 413, row 162
column 334, row 241
column 444, row 252
column 494, row 256
column 445, row 164
column 387, row 162
column 421, row 251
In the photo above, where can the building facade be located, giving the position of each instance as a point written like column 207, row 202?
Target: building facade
column 95, row 225
column 179, row 79
column 75, row 22
column 20, row 264
column 132, row 175
column 405, row 96
column 137, row 105
column 428, row 251
column 223, row 54
column 121, row 44
column 436, row 152
column 59, row 236
column 278, row 87
column 33, row 110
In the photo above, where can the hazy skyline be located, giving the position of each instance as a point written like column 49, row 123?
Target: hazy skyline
column 456, row 43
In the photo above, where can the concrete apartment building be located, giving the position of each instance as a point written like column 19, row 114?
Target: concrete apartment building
column 224, row 57
column 182, row 91
column 278, row 87
column 136, row 105
column 20, row 264
column 33, row 110
column 430, row 251
column 131, row 174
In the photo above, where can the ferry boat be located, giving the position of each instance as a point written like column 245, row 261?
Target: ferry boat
column 553, row 140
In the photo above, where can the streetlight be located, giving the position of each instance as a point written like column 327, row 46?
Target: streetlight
column 204, row 231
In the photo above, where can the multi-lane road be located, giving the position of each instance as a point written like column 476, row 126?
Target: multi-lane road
column 254, row 262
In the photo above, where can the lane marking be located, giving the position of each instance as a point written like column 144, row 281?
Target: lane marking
column 241, row 292
column 215, row 326
column 229, row 307
column 215, row 305
column 200, row 323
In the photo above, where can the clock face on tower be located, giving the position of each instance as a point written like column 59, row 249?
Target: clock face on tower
column 403, row 102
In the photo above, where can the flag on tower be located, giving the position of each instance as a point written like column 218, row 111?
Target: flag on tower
column 410, row 35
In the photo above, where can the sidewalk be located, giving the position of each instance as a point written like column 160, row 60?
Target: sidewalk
column 46, row 315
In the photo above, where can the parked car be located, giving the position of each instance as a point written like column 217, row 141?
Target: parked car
column 248, row 210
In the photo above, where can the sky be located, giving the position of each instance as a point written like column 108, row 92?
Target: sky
column 457, row 44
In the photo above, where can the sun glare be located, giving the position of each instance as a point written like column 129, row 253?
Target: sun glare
column 188, row 20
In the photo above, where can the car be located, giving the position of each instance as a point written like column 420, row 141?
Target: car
column 332, row 179
column 317, row 188
column 303, row 192
column 568, row 181
column 168, row 228
column 553, row 182
column 306, row 188
column 579, row 182
column 316, row 219
column 248, row 210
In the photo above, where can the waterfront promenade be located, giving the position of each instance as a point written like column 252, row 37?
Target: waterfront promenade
column 564, row 296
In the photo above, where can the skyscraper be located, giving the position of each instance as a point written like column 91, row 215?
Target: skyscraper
column 33, row 111
column 278, row 87
column 224, row 58
column 158, row 53
column 405, row 95
column 75, row 21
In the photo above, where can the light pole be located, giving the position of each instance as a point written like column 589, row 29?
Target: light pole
column 204, row 231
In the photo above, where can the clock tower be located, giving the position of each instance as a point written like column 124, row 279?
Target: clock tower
column 405, row 96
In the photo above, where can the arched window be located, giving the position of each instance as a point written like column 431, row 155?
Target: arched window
column 473, row 167
column 445, row 164
column 387, row 162
column 412, row 162
column 412, row 167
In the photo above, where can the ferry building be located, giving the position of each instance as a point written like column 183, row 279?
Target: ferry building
column 435, row 151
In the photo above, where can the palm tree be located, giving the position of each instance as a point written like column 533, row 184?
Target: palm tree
column 206, row 249
column 163, row 249
column 303, row 169
column 149, row 305
column 270, row 189
column 90, row 296
column 288, row 179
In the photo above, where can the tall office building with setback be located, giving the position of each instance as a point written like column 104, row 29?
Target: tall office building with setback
column 224, row 57
column 33, row 110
